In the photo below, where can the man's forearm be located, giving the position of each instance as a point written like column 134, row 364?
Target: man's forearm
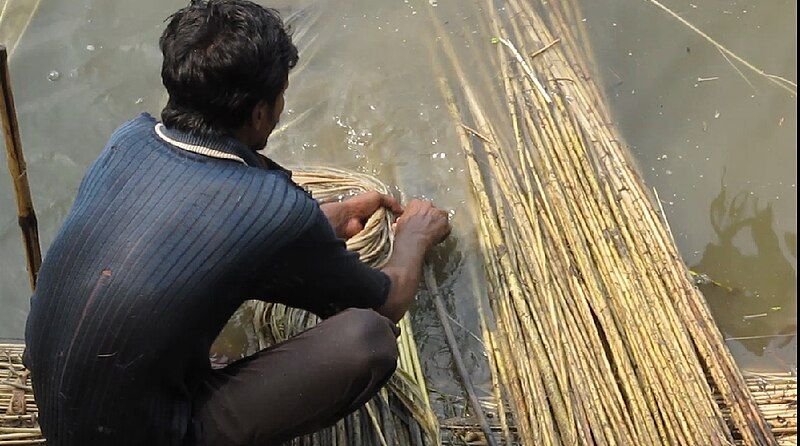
column 404, row 268
column 336, row 213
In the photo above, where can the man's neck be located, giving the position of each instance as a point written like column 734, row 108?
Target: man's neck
column 249, row 138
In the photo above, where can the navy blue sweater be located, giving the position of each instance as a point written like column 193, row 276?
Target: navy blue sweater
column 159, row 249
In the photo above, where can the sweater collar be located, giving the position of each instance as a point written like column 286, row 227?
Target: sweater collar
column 224, row 144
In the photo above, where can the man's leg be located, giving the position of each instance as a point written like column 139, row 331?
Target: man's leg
column 298, row 386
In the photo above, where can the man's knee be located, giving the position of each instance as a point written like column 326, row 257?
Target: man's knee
column 369, row 340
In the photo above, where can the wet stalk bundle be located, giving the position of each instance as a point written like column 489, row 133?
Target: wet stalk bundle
column 599, row 335
column 18, row 412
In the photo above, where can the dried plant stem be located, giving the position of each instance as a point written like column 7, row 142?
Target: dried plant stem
column 19, row 172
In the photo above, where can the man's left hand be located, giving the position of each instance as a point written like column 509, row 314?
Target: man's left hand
column 349, row 217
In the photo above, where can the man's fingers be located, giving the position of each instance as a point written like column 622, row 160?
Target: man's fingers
column 353, row 227
column 421, row 204
column 392, row 204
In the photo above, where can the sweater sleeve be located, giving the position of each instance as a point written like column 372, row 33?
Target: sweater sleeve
column 316, row 272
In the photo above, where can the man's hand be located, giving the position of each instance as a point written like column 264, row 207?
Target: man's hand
column 422, row 222
column 421, row 227
column 349, row 216
column 418, row 228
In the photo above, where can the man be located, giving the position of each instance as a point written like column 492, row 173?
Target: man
column 174, row 226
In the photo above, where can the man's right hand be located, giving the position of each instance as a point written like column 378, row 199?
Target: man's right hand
column 420, row 227
column 422, row 222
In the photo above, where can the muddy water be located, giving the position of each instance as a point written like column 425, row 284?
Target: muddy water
column 721, row 152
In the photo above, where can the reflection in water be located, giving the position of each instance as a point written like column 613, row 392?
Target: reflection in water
column 747, row 250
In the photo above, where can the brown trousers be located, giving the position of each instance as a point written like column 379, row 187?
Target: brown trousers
column 298, row 386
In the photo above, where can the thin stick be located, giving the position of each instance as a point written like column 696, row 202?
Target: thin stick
column 745, row 338
column 477, row 133
column 544, row 48
column 730, row 62
column 475, row 403
column 527, row 69
column 19, row 173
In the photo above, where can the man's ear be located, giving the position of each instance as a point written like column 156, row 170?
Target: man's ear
column 261, row 116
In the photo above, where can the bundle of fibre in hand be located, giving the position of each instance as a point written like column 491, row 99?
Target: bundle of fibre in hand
column 401, row 413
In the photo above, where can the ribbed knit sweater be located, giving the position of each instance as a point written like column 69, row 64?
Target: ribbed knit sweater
column 159, row 249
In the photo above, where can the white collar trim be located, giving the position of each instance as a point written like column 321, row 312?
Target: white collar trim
column 200, row 150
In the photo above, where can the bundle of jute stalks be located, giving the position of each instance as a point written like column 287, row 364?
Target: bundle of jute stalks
column 18, row 412
column 401, row 413
column 776, row 396
column 775, row 393
column 598, row 334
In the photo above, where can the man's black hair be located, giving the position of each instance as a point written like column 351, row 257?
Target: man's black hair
column 221, row 58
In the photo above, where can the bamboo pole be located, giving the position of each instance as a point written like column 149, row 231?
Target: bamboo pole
column 19, row 173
